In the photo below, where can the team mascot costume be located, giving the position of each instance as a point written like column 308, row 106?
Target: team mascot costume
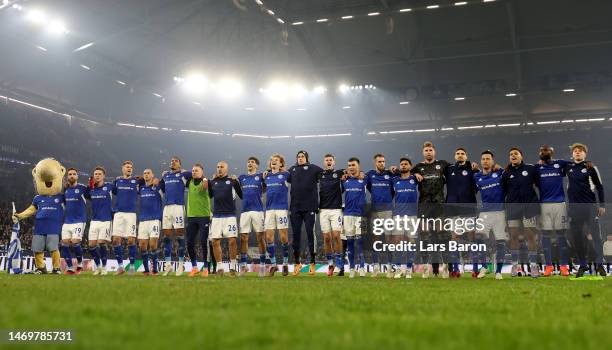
column 48, row 206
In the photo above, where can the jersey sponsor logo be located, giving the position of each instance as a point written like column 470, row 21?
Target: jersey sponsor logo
column 524, row 173
column 464, row 173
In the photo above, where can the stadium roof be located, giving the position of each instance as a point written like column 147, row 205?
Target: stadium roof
column 455, row 65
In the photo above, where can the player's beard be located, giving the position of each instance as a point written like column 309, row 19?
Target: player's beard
column 546, row 157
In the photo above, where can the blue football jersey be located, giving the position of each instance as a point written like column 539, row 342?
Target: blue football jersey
column 126, row 191
column 380, row 186
column 150, row 203
column 76, row 207
column 492, row 194
column 355, row 196
column 49, row 214
column 102, row 202
column 277, row 191
column 173, row 184
column 551, row 181
column 406, row 196
column 252, row 189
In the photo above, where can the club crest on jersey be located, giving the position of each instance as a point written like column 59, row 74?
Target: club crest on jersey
column 104, row 188
column 227, row 182
column 583, row 170
column 386, row 177
column 56, row 200
column 306, row 167
column 335, row 176
column 281, row 176
column 256, row 178
column 412, row 182
column 464, row 173
column 77, row 191
column 438, row 167
column 133, row 181
column 178, row 174
column 493, row 176
column 360, row 181
column 524, row 173
column 557, row 166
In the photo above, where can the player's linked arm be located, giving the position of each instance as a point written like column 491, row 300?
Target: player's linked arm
column 31, row 210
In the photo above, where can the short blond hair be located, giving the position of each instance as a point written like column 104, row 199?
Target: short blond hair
column 428, row 144
column 582, row 146
column 279, row 156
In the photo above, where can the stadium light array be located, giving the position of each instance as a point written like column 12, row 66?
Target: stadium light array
column 229, row 88
column 57, row 27
column 194, row 83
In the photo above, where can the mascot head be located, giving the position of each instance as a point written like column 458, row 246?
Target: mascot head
column 48, row 176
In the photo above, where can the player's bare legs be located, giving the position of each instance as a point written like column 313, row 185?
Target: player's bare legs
column 217, row 253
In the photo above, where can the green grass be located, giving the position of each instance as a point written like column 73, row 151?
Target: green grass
column 307, row 312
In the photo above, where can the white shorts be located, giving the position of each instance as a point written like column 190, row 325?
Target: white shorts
column 223, row 228
column 252, row 220
column 276, row 219
column 352, row 226
column 493, row 221
column 330, row 220
column 73, row 231
column 410, row 220
column 553, row 216
column 99, row 231
column 124, row 225
column 173, row 217
column 148, row 229
column 527, row 222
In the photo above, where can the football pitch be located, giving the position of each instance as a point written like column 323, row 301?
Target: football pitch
column 309, row 312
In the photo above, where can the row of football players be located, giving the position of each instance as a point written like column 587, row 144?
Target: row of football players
column 403, row 186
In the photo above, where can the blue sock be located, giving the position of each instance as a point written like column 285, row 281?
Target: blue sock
column 181, row 248
column 103, row 254
column 154, row 255
column 285, row 253
column 272, row 253
column 474, row 258
column 145, row 260
column 243, row 259
column 562, row 249
column 95, row 255
column 66, row 255
column 359, row 250
column 515, row 255
column 350, row 250
column 500, row 252
column 262, row 259
column 330, row 259
column 78, row 251
column 339, row 262
column 533, row 256
column 546, row 248
column 132, row 250
column 456, row 267
column 410, row 259
column 167, row 249
column 119, row 254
